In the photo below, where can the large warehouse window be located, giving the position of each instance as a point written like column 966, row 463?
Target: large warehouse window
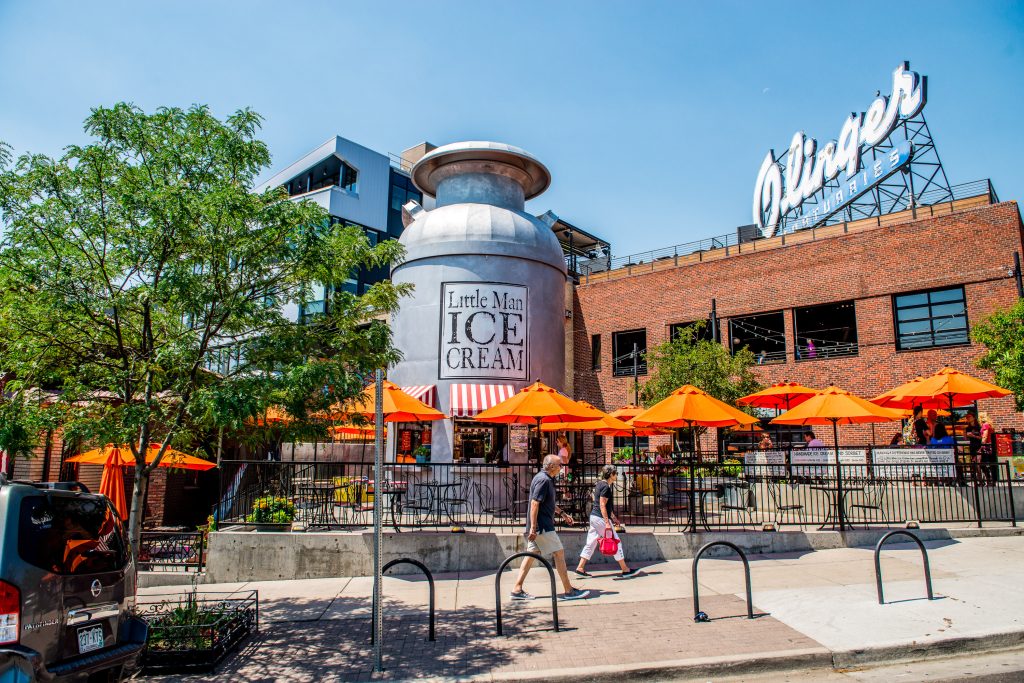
column 934, row 318
column 703, row 331
column 595, row 352
column 622, row 350
column 764, row 334
column 827, row 331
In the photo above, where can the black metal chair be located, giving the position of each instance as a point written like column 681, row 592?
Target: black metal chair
column 737, row 497
column 419, row 502
column 782, row 509
column 872, row 498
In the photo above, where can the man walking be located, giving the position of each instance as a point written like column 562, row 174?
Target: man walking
column 540, row 531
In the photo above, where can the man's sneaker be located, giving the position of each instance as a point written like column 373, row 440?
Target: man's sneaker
column 574, row 594
column 627, row 574
column 521, row 595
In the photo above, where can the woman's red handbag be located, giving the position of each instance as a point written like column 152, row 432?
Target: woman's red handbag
column 609, row 544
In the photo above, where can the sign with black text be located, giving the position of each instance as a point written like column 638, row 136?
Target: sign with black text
column 483, row 331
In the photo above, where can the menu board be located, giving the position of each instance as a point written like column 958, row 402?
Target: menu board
column 917, row 462
column 814, row 462
column 405, row 441
column 765, row 463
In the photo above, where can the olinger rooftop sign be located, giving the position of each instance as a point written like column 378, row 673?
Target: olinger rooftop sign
column 840, row 170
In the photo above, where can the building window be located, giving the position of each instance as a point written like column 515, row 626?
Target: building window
column 703, row 332
column 828, row 331
column 349, row 177
column 764, row 334
column 598, row 442
column 623, row 344
column 928, row 319
column 595, row 352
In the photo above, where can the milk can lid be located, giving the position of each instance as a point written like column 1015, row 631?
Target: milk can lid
column 481, row 150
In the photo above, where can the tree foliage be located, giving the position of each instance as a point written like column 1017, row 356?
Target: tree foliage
column 134, row 266
column 707, row 365
column 1002, row 333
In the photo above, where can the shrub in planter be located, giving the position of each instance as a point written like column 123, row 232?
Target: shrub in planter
column 272, row 510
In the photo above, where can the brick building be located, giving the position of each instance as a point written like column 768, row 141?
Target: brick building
column 902, row 291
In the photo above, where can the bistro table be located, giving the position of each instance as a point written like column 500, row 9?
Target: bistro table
column 701, row 493
column 440, row 498
column 319, row 498
column 394, row 491
column 836, row 502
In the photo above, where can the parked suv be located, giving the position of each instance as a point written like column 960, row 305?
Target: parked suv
column 67, row 586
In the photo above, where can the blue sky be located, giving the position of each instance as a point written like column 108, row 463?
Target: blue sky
column 653, row 117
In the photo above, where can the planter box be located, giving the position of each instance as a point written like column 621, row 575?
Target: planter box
column 227, row 619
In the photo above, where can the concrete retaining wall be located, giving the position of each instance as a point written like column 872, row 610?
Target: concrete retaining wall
column 265, row 556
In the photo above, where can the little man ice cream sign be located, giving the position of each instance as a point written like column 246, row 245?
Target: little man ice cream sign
column 483, row 331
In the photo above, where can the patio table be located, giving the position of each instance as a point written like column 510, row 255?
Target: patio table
column 319, row 496
column 700, row 493
column 837, row 503
column 440, row 498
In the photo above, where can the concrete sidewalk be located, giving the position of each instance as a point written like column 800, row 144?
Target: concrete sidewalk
column 816, row 610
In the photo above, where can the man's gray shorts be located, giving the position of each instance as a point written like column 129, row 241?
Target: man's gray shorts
column 546, row 544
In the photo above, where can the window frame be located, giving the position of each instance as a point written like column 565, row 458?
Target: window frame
column 641, row 364
column 595, row 352
column 897, row 337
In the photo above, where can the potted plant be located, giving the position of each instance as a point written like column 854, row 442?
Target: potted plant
column 272, row 513
column 422, row 454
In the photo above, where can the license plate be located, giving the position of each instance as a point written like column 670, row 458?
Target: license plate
column 90, row 639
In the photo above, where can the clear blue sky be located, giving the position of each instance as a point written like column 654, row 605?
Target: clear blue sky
column 653, row 117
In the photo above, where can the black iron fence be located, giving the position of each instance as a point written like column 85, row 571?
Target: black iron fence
column 714, row 493
column 172, row 551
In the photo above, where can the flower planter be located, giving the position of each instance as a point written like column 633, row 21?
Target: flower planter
column 190, row 634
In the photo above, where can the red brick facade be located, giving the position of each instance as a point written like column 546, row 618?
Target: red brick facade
column 973, row 248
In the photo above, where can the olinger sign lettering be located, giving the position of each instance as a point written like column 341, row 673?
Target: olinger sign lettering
column 483, row 331
column 809, row 169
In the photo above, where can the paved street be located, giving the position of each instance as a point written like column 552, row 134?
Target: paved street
column 813, row 609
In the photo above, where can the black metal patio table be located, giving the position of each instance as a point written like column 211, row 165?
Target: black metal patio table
column 441, row 498
column 699, row 493
column 837, row 503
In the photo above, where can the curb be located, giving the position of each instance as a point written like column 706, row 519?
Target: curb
column 914, row 650
column 806, row 659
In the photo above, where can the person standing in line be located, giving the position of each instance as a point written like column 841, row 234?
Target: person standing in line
column 932, row 421
column 812, row 352
column 812, row 441
column 601, row 517
column 989, row 458
column 541, row 537
column 972, row 430
column 921, row 430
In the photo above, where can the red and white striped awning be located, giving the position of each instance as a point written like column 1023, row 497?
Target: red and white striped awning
column 424, row 392
column 470, row 399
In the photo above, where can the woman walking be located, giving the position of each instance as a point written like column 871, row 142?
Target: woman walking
column 601, row 517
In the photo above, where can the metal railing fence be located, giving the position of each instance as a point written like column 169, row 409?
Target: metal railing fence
column 714, row 494
column 172, row 551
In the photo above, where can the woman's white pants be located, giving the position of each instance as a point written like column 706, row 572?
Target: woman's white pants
column 594, row 536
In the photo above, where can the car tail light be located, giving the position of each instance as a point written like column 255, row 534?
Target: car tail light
column 10, row 613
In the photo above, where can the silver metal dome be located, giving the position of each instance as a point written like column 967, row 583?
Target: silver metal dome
column 537, row 177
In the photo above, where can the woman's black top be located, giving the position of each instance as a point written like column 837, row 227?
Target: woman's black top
column 920, row 426
column 602, row 490
column 973, row 439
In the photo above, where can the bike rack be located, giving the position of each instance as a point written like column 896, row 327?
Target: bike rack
column 699, row 616
column 430, row 579
column 497, row 587
column 878, row 562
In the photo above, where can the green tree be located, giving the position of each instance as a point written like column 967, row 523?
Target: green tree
column 1002, row 333
column 707, row 365
column 133, row 267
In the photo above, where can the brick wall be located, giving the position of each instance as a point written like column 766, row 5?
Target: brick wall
column 973, row 248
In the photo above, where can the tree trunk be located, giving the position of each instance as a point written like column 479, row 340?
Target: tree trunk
column 138, row 511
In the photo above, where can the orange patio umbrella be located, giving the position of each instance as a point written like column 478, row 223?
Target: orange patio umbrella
column 115, row 458
column 626, row 413
column 273, row 415
column 949, row 385
column 398, row 406
column 537, row 404
column 894, row 398
column 605, row 426
column 835, row 406
column 121, row 456
column 689, row 407
column 112, row 486
column 781, row 396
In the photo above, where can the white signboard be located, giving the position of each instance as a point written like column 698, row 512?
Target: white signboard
column 804, row 462
column 766, row 463
column 920, row 462
column 483, row 331
column 808, row 168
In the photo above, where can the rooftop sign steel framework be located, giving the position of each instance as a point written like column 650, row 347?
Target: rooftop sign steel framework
column 884, row 160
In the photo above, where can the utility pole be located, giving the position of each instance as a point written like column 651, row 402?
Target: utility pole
column 636, row 392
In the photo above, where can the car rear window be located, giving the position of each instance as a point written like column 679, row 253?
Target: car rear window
column 68, row 535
